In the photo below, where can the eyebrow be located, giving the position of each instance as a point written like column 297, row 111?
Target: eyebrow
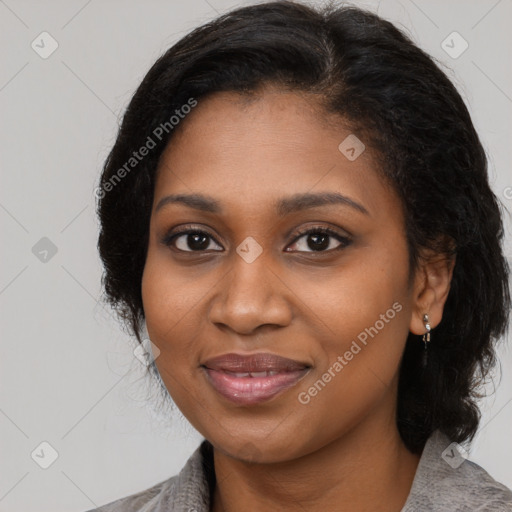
column 196, row 201
column 284, row 206
column 308, row 200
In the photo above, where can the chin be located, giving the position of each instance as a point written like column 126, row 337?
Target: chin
column 259, row 449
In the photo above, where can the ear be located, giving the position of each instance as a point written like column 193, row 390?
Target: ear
column 430, row 291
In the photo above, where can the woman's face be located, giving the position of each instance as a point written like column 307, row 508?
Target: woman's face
column 252, row 177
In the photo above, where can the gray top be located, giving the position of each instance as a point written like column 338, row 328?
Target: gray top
column 444, row 482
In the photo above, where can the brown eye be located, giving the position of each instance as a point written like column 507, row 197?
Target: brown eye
column 190, row 241
column 320, row 240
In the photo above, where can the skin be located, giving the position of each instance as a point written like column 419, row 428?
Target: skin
column 343, row 447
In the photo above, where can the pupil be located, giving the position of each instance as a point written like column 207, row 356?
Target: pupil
column 197, row 242
column 321, row 241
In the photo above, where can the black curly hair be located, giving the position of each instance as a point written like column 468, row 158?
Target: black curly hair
column 392, row 94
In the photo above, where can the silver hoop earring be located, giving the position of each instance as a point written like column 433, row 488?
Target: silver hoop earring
column 425, row 339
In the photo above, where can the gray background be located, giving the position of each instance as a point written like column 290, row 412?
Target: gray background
column 67, row 372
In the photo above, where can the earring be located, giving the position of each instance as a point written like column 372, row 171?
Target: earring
column 426, row 339
column 426, row 336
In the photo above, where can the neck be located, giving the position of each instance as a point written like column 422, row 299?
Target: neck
column 367, row 469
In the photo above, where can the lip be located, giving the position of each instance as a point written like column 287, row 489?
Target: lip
column 254, row 378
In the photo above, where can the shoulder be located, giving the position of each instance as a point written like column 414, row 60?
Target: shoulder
column 447, row 482
column 189, row 490
column 474, row 489
column 146, row 500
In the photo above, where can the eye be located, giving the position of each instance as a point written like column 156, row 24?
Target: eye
column 320, row 239
column 190, row 240
column 316, row 239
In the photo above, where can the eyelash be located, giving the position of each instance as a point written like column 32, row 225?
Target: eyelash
column 345, row 240
column 188, row 230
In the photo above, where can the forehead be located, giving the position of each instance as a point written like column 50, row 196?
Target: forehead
column 254, row 149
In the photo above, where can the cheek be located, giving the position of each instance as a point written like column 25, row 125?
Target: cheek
column 169, row 318
column 366, row 311
column 357, row 370
column 174, row 300
column 171, row 293
column 360, row 295
column 169, row 303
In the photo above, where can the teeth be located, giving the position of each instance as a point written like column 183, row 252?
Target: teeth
column 259, row 374
column 242, row 375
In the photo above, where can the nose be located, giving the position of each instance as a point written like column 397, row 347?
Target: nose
column 251, row 296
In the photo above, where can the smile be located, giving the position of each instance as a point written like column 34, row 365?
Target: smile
column 253, row 379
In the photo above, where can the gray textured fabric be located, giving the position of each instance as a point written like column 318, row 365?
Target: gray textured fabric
column 443, row 483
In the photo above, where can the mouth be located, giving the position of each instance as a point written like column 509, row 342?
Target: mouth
column 253, row 379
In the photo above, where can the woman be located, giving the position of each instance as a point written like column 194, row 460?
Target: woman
column 297, row 210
